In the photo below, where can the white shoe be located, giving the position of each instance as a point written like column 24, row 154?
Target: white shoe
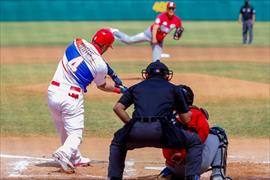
column 81, row 161
column 64, row 161
column 113, row 30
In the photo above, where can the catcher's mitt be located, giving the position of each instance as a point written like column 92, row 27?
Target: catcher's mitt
column 178, row 33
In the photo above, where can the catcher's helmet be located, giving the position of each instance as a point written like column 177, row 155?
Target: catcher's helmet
column 103, row 37
column 171, row 4
column 188, row 94
column 157, row 68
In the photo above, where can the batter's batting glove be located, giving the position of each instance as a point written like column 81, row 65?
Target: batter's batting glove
column 120, row 89
column 123, row 89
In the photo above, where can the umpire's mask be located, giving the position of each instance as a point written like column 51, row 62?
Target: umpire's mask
column 157, row 69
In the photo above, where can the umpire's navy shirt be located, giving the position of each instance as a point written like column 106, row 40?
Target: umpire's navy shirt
column 247, row 12
column 154, row 97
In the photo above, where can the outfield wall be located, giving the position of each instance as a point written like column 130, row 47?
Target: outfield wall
column 96, row 10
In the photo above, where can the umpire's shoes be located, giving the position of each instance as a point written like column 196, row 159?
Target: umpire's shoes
column 81, row 162
column 63, row 160
column 192, row 177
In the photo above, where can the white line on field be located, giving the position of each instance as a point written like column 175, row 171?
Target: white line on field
column 19, row 168
column 23, row 157
column 38, row 176
column 232, row 157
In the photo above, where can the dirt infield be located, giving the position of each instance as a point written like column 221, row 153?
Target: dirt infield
column 42, row 55
column 30, row 157
column 210, row 91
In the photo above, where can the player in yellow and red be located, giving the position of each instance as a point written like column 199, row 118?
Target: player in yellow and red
column 214, row 139
column 155, row 34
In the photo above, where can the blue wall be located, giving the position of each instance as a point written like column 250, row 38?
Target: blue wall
column 95, row 10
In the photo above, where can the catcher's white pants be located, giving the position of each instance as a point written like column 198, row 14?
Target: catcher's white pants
column 67, row 110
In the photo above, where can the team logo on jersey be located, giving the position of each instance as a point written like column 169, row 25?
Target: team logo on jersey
column 164, row 23
column 172, row 26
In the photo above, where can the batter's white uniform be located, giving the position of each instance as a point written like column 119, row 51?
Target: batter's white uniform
column 81, row 64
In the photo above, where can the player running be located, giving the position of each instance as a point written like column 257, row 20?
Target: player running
column 81, row 65
column 155, row 34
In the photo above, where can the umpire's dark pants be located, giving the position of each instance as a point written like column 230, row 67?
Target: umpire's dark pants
column 247, row 28
column 149, row 134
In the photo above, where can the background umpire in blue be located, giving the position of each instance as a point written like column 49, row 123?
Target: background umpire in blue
column 150, row 126
column 247, row 17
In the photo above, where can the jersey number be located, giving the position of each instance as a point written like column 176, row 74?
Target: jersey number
column 75, row 63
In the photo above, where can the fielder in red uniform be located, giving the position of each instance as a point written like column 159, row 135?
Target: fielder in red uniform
column 214, row 139
column 155, row 34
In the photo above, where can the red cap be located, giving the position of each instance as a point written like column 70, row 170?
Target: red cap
column 103, row 37
column 171, row 4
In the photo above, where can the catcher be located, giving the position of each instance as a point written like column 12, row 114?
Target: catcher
column 155, row 34
column 214, row 139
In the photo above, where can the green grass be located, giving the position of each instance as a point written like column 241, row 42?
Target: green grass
column 241, row 117
column 197, row 33
column 249, row 71
column 24, row 113
column 42, row 73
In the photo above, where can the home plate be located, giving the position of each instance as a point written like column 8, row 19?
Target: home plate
column 153, row 168
column 164, row 55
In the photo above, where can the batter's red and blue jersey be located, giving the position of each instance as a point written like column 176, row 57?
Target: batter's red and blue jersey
column 83, row 64
column 77, row 66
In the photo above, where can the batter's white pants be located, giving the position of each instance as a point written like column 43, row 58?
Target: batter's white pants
column 68, row 116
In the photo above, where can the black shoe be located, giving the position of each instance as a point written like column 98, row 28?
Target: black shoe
column 193, row 177
column 114, row 178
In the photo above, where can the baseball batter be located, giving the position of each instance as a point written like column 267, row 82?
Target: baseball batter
column 81, row 65
column 215, row 144
column 155, row 34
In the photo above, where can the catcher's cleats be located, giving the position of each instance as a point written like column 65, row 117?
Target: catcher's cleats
column 219, row 177
column 64, row 161
column 166, row 173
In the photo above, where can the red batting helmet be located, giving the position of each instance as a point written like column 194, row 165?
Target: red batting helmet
column 171, row 4
column 103, row 37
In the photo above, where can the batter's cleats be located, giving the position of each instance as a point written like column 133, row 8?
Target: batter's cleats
column 64, row 161
column 81, row 162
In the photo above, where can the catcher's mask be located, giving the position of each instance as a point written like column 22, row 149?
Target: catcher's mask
column 188, row 94
column 157, row 69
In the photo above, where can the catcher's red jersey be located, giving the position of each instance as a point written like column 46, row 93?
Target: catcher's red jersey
column 166, row 25
column 199, row 124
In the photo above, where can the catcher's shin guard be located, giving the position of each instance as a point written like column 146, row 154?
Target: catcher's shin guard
column 219, row 163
